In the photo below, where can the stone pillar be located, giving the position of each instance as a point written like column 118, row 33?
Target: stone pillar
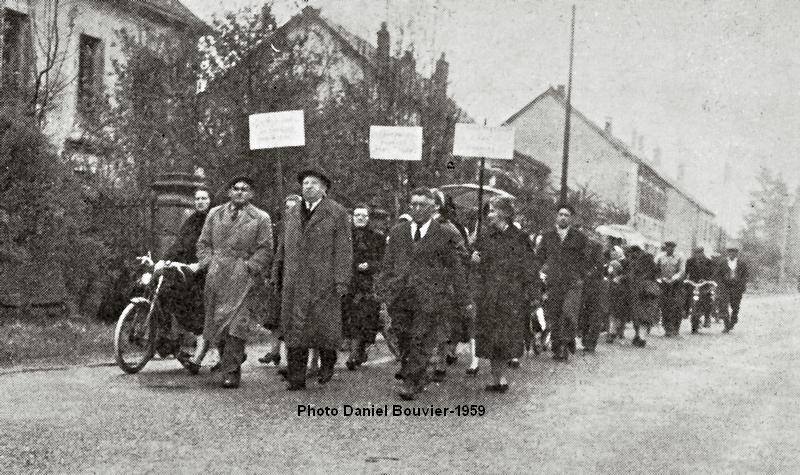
column 174, row 202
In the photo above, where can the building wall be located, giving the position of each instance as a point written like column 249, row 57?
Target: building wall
column 594, row 162
column 98, row 19
column 336, row 62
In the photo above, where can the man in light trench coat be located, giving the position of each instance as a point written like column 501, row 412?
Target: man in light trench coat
column 236, row 247
column 315, row 254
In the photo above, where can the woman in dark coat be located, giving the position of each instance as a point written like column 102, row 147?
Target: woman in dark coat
column 184, row 300
column 507, row 271
column 644, row 293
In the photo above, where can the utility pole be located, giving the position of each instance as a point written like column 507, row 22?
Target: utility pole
column 565, row 157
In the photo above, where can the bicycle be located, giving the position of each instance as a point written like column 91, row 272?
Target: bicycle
column 702, row 304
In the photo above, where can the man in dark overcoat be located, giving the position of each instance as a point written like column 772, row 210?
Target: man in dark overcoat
column 733, row 274
column 316, row 256
column 596, row 299
column 420, row 264
column 359, row 307
column 563, row 254
column 235, row 246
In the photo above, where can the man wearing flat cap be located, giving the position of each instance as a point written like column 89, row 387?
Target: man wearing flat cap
column 671, row 269
column 235, row 246
column 733, row 274
column 316, row 258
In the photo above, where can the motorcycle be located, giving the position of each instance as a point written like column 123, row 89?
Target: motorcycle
column 144, row 327
column 703, row 300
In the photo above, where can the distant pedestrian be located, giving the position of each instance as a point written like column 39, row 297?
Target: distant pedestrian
column 671, row 270
column 734, row 274
column 644, row 293
column 562, row 253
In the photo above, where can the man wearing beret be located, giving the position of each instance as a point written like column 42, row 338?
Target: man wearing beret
column 235, row 246
column 315, row 254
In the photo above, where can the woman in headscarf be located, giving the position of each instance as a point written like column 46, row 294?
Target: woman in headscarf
column 506, row 282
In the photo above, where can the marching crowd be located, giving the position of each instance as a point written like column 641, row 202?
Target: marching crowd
column 324, row 275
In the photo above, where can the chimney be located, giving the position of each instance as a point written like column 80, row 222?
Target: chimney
column 383, row 42
column 383, row 62
column 607, row 127
column 657, row 156
column 560, row 90
column 641, row 143
column 681, row 171
column 440, row 74
column 310, row 11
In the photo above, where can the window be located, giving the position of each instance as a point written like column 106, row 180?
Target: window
column 90, row 77
column 14, row 64
column 652, row 198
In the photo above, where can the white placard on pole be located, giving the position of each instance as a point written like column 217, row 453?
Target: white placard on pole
column 395, row 143
column 277, row 129
column 473, row 140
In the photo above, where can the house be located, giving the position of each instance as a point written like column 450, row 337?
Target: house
column 75, row 46
column 659, row 208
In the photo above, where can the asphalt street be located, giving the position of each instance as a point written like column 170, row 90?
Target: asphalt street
column 710, row 403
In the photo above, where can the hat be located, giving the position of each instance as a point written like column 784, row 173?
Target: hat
column 504, row 204
column 315, row 172
column 567, row 207
column 669, row 244
column 241, row 178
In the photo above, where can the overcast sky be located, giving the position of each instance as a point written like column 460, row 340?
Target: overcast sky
column 706, row 81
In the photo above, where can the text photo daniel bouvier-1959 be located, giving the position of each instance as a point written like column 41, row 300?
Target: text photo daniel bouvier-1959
column 400, row 236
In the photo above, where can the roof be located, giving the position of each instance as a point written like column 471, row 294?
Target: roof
column 618, row 144
column 172, row 10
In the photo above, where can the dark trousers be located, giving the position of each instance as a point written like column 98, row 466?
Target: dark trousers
column 594, row 312
column 561, row 311
column 735, row 299
column 417, row 334
column 232, row 354
column 298, row 359
column 671, row 300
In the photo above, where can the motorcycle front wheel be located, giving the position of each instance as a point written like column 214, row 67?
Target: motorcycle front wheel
column 134, row 338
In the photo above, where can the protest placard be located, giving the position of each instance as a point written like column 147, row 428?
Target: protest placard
column 395, row 143
column 277, row 129
column 473, row 140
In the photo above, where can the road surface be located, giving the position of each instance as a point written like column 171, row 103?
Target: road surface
column 711, row 403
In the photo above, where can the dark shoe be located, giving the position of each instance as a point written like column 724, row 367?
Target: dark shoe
column 496, row 388
column 409, row 392
column 186, row 361
column 513, row 363
column 399, row 376
column 325, row 375
column 438, row 375
column 572, row 346
column 638, row 342
column 695, row 331
column 351, row 365
column 451, row 360
column 283, row 372
column 274, row 358
column 473, row 371
column 296, row 387
column 232, row 380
